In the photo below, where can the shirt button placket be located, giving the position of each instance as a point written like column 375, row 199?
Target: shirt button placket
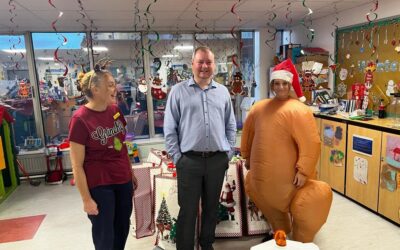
column 206, row 119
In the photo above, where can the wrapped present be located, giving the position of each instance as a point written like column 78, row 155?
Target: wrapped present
column 143, row 200
column 229, row 218
column 256, row 223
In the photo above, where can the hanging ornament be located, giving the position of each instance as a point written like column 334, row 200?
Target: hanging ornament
column 24, row 89
column 156, row 89
column 369, row 70
column 142, row 85
column 362, row 42
column 341, row 89
column 237, row 85
column 343, row 74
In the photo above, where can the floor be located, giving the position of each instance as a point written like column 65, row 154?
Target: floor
column 65, row 226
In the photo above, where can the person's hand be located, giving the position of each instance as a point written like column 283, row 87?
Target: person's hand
column 299, row 179
column 90, row 207
column 134, row 181
column 247, row 164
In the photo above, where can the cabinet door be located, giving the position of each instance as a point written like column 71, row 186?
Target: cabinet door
column 389, row 188
column 318, row 167
column 333, row 150
column 363, row 163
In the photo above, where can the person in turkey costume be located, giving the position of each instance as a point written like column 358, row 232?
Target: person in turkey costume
column 281, row 145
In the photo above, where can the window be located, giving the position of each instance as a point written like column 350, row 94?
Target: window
column 15, row 88
column 59, row 58
column 125, row 51
column 170, row 59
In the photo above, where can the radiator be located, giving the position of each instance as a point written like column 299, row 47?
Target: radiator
column 35, row 164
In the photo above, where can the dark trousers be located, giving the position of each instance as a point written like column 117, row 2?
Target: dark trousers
column 198, row 177
column 110, row 228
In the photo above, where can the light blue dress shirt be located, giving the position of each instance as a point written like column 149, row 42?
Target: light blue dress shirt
column 199, row 120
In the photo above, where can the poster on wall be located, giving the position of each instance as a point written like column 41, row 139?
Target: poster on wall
column 360, row 173
column 393, row 151
column 362, row 145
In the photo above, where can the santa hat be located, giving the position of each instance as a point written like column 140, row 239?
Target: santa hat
column 286, row 71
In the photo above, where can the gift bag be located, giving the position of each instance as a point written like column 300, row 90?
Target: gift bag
column 229, row 217
column 143, row 201
column 166, row 211
column 162, row 159
column 256, row 223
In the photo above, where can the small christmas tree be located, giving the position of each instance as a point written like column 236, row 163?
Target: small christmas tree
column 172, row 233
column 163, row 214
column 222, row 213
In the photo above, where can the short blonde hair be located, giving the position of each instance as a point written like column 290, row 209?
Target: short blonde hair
column 201, row 48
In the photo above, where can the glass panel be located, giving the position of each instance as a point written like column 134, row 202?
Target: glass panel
column 125, row 51
column 225, row 46
column 170, row 59
column 59, row 96
column 15, row 89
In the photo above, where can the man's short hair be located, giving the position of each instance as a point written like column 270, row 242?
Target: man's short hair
column 201, row 48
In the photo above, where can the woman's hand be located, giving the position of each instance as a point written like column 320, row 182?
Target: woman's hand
column 90, row 207
column 299, row 179
column 134, row 181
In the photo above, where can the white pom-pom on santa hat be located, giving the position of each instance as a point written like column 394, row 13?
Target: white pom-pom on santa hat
column 287, row 71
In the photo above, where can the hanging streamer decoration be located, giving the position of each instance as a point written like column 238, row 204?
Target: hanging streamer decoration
column 199, row 20
column 148, row 15
column 83, row 15
column 14, row 46
column 372, row 15
column 234, row 34
column 334, row 24
column 289, row 20
column 64, row 39
column 272, row 31
column 311, row 32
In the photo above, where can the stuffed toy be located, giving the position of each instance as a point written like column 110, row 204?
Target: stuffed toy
column 237, row 85
column 156, row 89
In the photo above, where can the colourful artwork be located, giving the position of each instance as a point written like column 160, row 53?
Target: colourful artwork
column 336, row 158
column 328, row 135
column 393, row 151
column 360, row 170
column 388, row 178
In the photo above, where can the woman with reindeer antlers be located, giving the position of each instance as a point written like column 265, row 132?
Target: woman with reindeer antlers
column 100, row 162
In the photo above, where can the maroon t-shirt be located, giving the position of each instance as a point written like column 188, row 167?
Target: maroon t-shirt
column 106, row 156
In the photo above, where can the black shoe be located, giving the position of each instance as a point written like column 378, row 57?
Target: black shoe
column 268, row 237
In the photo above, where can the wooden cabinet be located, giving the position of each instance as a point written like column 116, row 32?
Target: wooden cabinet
column 363, row 164
column 389, row 186
column 333, row 150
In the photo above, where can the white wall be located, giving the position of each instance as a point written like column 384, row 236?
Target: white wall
column 323, row 27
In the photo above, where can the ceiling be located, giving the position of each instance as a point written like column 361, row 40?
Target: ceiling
column 169, row 15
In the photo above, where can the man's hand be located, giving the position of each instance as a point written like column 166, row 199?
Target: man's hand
column 299, row 179
column 90, row 207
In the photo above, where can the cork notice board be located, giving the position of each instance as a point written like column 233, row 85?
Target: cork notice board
column 378, row 42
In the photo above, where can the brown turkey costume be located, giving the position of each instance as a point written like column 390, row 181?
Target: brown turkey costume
column 279, row 138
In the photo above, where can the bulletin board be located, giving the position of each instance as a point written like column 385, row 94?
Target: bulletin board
column 356, row 47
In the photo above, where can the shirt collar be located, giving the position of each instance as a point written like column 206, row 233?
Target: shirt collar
column 191, row 82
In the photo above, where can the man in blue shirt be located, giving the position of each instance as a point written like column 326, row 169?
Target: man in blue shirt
column 200, row 134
